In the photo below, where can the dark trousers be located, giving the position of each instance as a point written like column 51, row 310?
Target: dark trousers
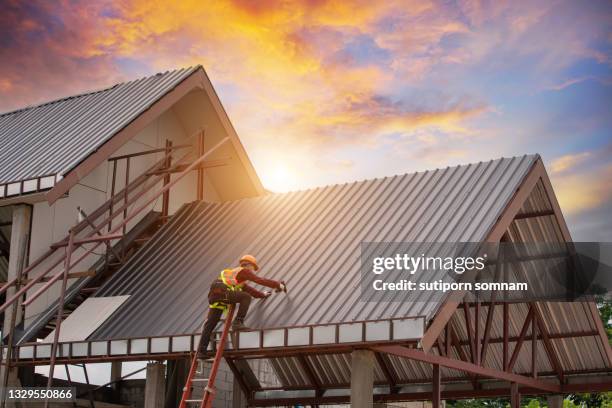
column 240, row 298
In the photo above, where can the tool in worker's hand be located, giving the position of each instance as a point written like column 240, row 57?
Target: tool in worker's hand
column 282, row 287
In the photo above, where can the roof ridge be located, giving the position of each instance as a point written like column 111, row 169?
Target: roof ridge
column 94, row 91
column 535, row 156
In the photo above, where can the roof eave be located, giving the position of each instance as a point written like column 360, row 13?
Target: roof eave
column 197, row 80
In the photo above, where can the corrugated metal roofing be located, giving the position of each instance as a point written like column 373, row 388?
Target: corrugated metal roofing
column 312, row 240
column 52, row 138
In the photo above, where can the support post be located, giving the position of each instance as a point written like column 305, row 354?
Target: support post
column 154, row 386
column 60, row 309
column 362, row 378
column 176, row 373
column 18, row 259
column 20, row 239
column 238, row 398
column 554, row 401
column 115, row 374
column 515, row 396
column 436, row 395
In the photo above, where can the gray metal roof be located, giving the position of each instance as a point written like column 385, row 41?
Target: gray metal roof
column 311, row 239
column 52, row 138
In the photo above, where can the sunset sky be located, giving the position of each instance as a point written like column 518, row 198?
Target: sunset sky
column 325, row 92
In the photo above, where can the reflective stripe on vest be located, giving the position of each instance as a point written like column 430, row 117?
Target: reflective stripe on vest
column 219, row 305
column 230, row 278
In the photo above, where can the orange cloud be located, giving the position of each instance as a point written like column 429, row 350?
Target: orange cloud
column 568, row 162
column 290, row 61
column 584, row 191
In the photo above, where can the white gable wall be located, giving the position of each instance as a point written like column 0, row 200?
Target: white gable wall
column 51, row 223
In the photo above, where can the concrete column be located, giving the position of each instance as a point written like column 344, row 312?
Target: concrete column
column 155, row 386
column 176, row 375
column 555, row 401
column 362, row 379
column 116, row 367
column 20, row 239
column 115, row 375
column 238, row 398
column 18, row 257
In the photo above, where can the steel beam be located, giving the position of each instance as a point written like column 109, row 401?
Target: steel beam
column 521, row 339
column 419, row 355
column 548, row 346
column 423, row 396
column 534, row 214
column 509, row 213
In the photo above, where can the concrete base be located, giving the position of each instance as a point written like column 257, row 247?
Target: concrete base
column 155, row 386
column 555, row 401
column 362, row 379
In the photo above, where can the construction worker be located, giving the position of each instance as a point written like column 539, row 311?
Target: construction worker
column 230, row 288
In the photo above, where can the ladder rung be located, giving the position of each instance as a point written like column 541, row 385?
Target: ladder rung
column 199, row 379
column 191, row 401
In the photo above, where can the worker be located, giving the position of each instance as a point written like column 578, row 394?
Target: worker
column 230, row 288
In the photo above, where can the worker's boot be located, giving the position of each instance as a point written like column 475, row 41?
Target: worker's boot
column 238, row 324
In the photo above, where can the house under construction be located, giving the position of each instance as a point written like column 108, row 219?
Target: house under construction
column 119, row 207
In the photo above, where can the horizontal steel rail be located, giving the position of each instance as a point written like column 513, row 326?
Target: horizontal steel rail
column 153, row 346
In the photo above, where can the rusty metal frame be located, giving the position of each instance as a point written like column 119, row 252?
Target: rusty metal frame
column 421, row 396
column 93, row 237
column 38, row 356
column 508, row 215
column 465, row 366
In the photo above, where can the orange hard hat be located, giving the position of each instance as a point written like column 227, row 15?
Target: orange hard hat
column 250, row 259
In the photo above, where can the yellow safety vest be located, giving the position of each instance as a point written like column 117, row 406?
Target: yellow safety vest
column 229, row 278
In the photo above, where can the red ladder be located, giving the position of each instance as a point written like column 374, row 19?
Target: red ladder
column 209, row 390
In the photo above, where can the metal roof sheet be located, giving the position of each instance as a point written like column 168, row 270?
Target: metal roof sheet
column 312, row 240
column 51, row 138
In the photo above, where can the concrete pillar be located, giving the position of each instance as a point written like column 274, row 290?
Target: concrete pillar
column 18, row 258
column 238, row 398
column 115, row 377
column 115, row 374
column 176, row 375
column 20, row 240
column 555, row 401
column 155, row 385
column 362, row 379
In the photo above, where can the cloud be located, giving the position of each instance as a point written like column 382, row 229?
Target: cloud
column 320, row 71
column 44, row 48
column 568, row 162
column 584, row 191
column 431, row 82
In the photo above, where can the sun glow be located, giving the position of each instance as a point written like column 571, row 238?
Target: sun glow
column 279, row 178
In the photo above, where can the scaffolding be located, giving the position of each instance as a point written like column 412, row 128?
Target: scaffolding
column 98, row 229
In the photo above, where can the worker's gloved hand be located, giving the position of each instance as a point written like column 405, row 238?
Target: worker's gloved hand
column 266, row 295
column 282, row 287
